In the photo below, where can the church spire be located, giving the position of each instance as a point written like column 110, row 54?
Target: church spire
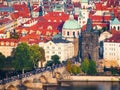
column 80, row 15
column 71, row 17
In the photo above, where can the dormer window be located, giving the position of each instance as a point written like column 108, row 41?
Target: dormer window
column 60, row 20
column 49, row 20
column 12, row 43
column 55, row 21
column 60, row 14
column 49, row 27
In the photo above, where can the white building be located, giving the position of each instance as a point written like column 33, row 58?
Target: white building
column 64, row 49
column 112, row 49
column 84, row 13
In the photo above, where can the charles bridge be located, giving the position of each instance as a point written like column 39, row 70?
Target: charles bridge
column 37, row 78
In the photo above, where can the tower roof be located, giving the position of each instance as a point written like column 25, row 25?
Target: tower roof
column 80, row 15
column 115, row 21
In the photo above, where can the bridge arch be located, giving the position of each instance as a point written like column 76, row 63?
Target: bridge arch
column 11, row 87
column 28, row 83
column 43, row 79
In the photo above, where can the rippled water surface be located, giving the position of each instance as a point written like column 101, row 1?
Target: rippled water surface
column 86, row 86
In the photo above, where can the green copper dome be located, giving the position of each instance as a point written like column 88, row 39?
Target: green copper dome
column 71, row 24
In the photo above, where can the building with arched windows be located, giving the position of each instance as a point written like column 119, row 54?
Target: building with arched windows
column 115, row 24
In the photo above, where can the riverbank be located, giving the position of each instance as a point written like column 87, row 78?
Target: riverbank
column 94, row 78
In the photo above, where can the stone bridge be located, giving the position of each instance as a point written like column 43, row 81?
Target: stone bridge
column 47, row 74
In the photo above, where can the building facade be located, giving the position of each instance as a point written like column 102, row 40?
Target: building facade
column 7, row 46
column 112, row 49
column 64, row 49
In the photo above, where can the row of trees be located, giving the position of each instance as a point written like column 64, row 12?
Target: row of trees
column 24, row 57
column 87, row 66
column 72, row 68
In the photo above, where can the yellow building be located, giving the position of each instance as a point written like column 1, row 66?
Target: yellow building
column 7, row 46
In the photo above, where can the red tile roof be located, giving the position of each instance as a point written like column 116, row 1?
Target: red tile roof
column 5, row 21
column 95, row 24
column 22, row 9
column 58, row 16
column 115, row 38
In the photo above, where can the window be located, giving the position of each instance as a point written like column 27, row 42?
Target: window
column 55, row 21
column 7, row 43
column 74, row 34
column 49, row 27
column 59, row 47
column 118, row 28
column 68, row 33
column 114, row 27
column 59, row 52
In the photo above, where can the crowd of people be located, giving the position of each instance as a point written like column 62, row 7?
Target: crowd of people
column 30, row 73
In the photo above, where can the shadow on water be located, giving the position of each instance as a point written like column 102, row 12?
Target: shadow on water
column 87, row 86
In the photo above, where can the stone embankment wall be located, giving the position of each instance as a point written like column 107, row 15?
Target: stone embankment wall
column 95, row 78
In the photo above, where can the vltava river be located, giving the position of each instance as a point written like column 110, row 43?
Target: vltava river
column 87, row 86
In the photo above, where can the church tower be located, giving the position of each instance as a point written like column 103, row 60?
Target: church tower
column 84, row 4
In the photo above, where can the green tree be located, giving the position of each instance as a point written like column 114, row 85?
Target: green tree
column 113, row 70
column 49, row 63
column 85, row 65
column 92, row 68
column 35, row 54
column 75, row 69
column 55, row 59
column 68, row 66
column 2, row 61
column 22, row 59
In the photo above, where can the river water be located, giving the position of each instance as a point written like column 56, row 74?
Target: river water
column 86, row 86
